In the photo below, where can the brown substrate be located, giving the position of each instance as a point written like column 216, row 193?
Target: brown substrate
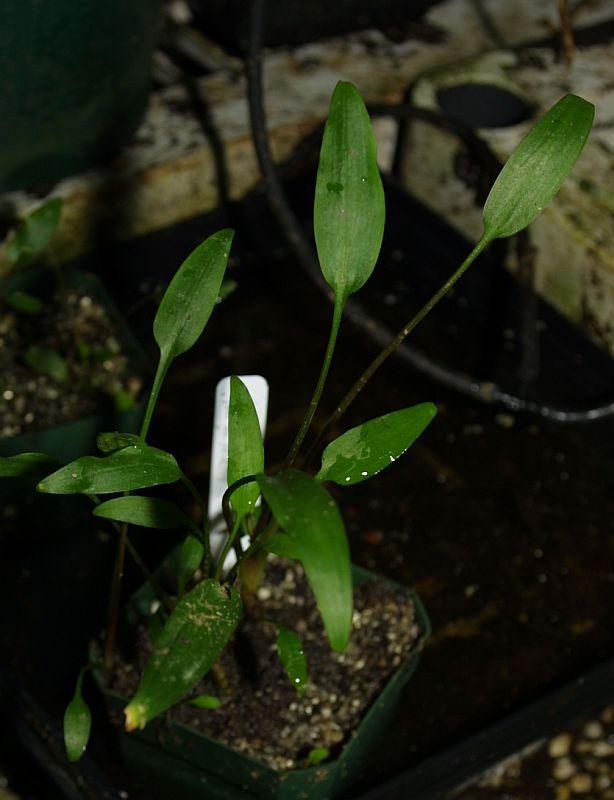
column 76, row 326
column 264, row 716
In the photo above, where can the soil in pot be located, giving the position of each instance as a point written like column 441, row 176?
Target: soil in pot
column 262, row 714
column 60, row 364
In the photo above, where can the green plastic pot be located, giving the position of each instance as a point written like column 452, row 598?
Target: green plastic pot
column 74, row 82
column 77, row 437
column 182, row 762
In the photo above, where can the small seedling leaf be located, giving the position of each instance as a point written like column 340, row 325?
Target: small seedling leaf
column 148, row 512
column 35, row 233
column 311, row 520
column 112, row 441
column 27, row 465
column 245, row 447
column 205, row 701
column 317, row 756
column 371, row 447
column 77, row 724
column 136, row 467
column 191, row 296
column 47, row 362
column 292, row 657
column 538, row 166
column 188, row 558
column 193, row 637
column 349, row 208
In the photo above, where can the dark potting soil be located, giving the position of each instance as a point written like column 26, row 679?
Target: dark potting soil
column 76, row 327
column 262, row 714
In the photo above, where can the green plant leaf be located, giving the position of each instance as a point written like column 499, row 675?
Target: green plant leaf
column 188, row 558
column 538, row 166
column 312, row 522
column 245, row 447
column 226, row 289
column 47, row 362
column 317, row 755
column 190, row 297
column 123, row 400
column 35, row 233
column 194, row 635
column 205, row 701
column 77, row 724
column 349, row 208
column 25, row 303
column 369, row 448
column 149, row 512
column 27, row 465
column 112, row 441
column 136, row 467
column 292, row 657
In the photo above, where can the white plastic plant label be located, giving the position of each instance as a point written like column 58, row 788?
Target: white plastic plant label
column 258, row 388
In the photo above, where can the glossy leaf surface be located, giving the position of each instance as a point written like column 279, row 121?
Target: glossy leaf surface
column 538, row 166
column 349, row 208
column 369, row 448
column 245, row 447
column 111, row 441
column 27, row 465
column 148, row 512
column 191, row 296
column 205, row 701
column 193, row 637
column 292, row 657
column 135, row 467
column 188, row 558
column 35, row 233
column 313, row 524
column 77, row 724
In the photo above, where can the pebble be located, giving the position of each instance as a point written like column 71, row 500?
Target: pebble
column 593, row 730
column 559, row 746
column 564, row 768
column 581, row 783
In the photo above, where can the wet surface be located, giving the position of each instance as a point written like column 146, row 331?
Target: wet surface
column 502, row 524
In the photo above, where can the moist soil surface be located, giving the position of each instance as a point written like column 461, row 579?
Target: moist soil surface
column 75, row 326
column 262, row 714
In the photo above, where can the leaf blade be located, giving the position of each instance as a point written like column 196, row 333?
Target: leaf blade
column 147, row 512
column 245, row 447
column 134, row 467
column 26, row 465
column 313, row 524
column 191, row 296
column 193, row 637
column 111, row 441
column 538, row 166
column 367, row 449
column 35, row 233
column 349, row 206
column 292, row 657
column 77, row 724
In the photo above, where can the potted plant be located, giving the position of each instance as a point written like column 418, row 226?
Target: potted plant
column 308, row 651
column 70, row 365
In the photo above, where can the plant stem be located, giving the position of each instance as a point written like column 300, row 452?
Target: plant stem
column 226, row 549
column 311, row 410
column 396, row 341
column 161, row 371
column 113, row 610
column 151, row 579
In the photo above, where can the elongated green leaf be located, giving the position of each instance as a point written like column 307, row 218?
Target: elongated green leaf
column 205, row 701
column 27, row 465
column 349, row 208
column 77, row 724
column 47, row 362
column 25, row 303
column 194, row 635
column 135, row 467
column 35, row 233
column 188, row 558
column 311, row 520
column 149, row 512
column 538, row 166
column 371, row 447
column 317, row 755
column 245, row 448
column 110, row 442
column 191, row 295
column 292, row 657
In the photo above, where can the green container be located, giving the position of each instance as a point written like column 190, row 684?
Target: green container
column 70, row 440
column 74, row 82
column 181, row 762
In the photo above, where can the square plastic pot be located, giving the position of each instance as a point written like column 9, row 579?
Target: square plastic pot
column 182, row 762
